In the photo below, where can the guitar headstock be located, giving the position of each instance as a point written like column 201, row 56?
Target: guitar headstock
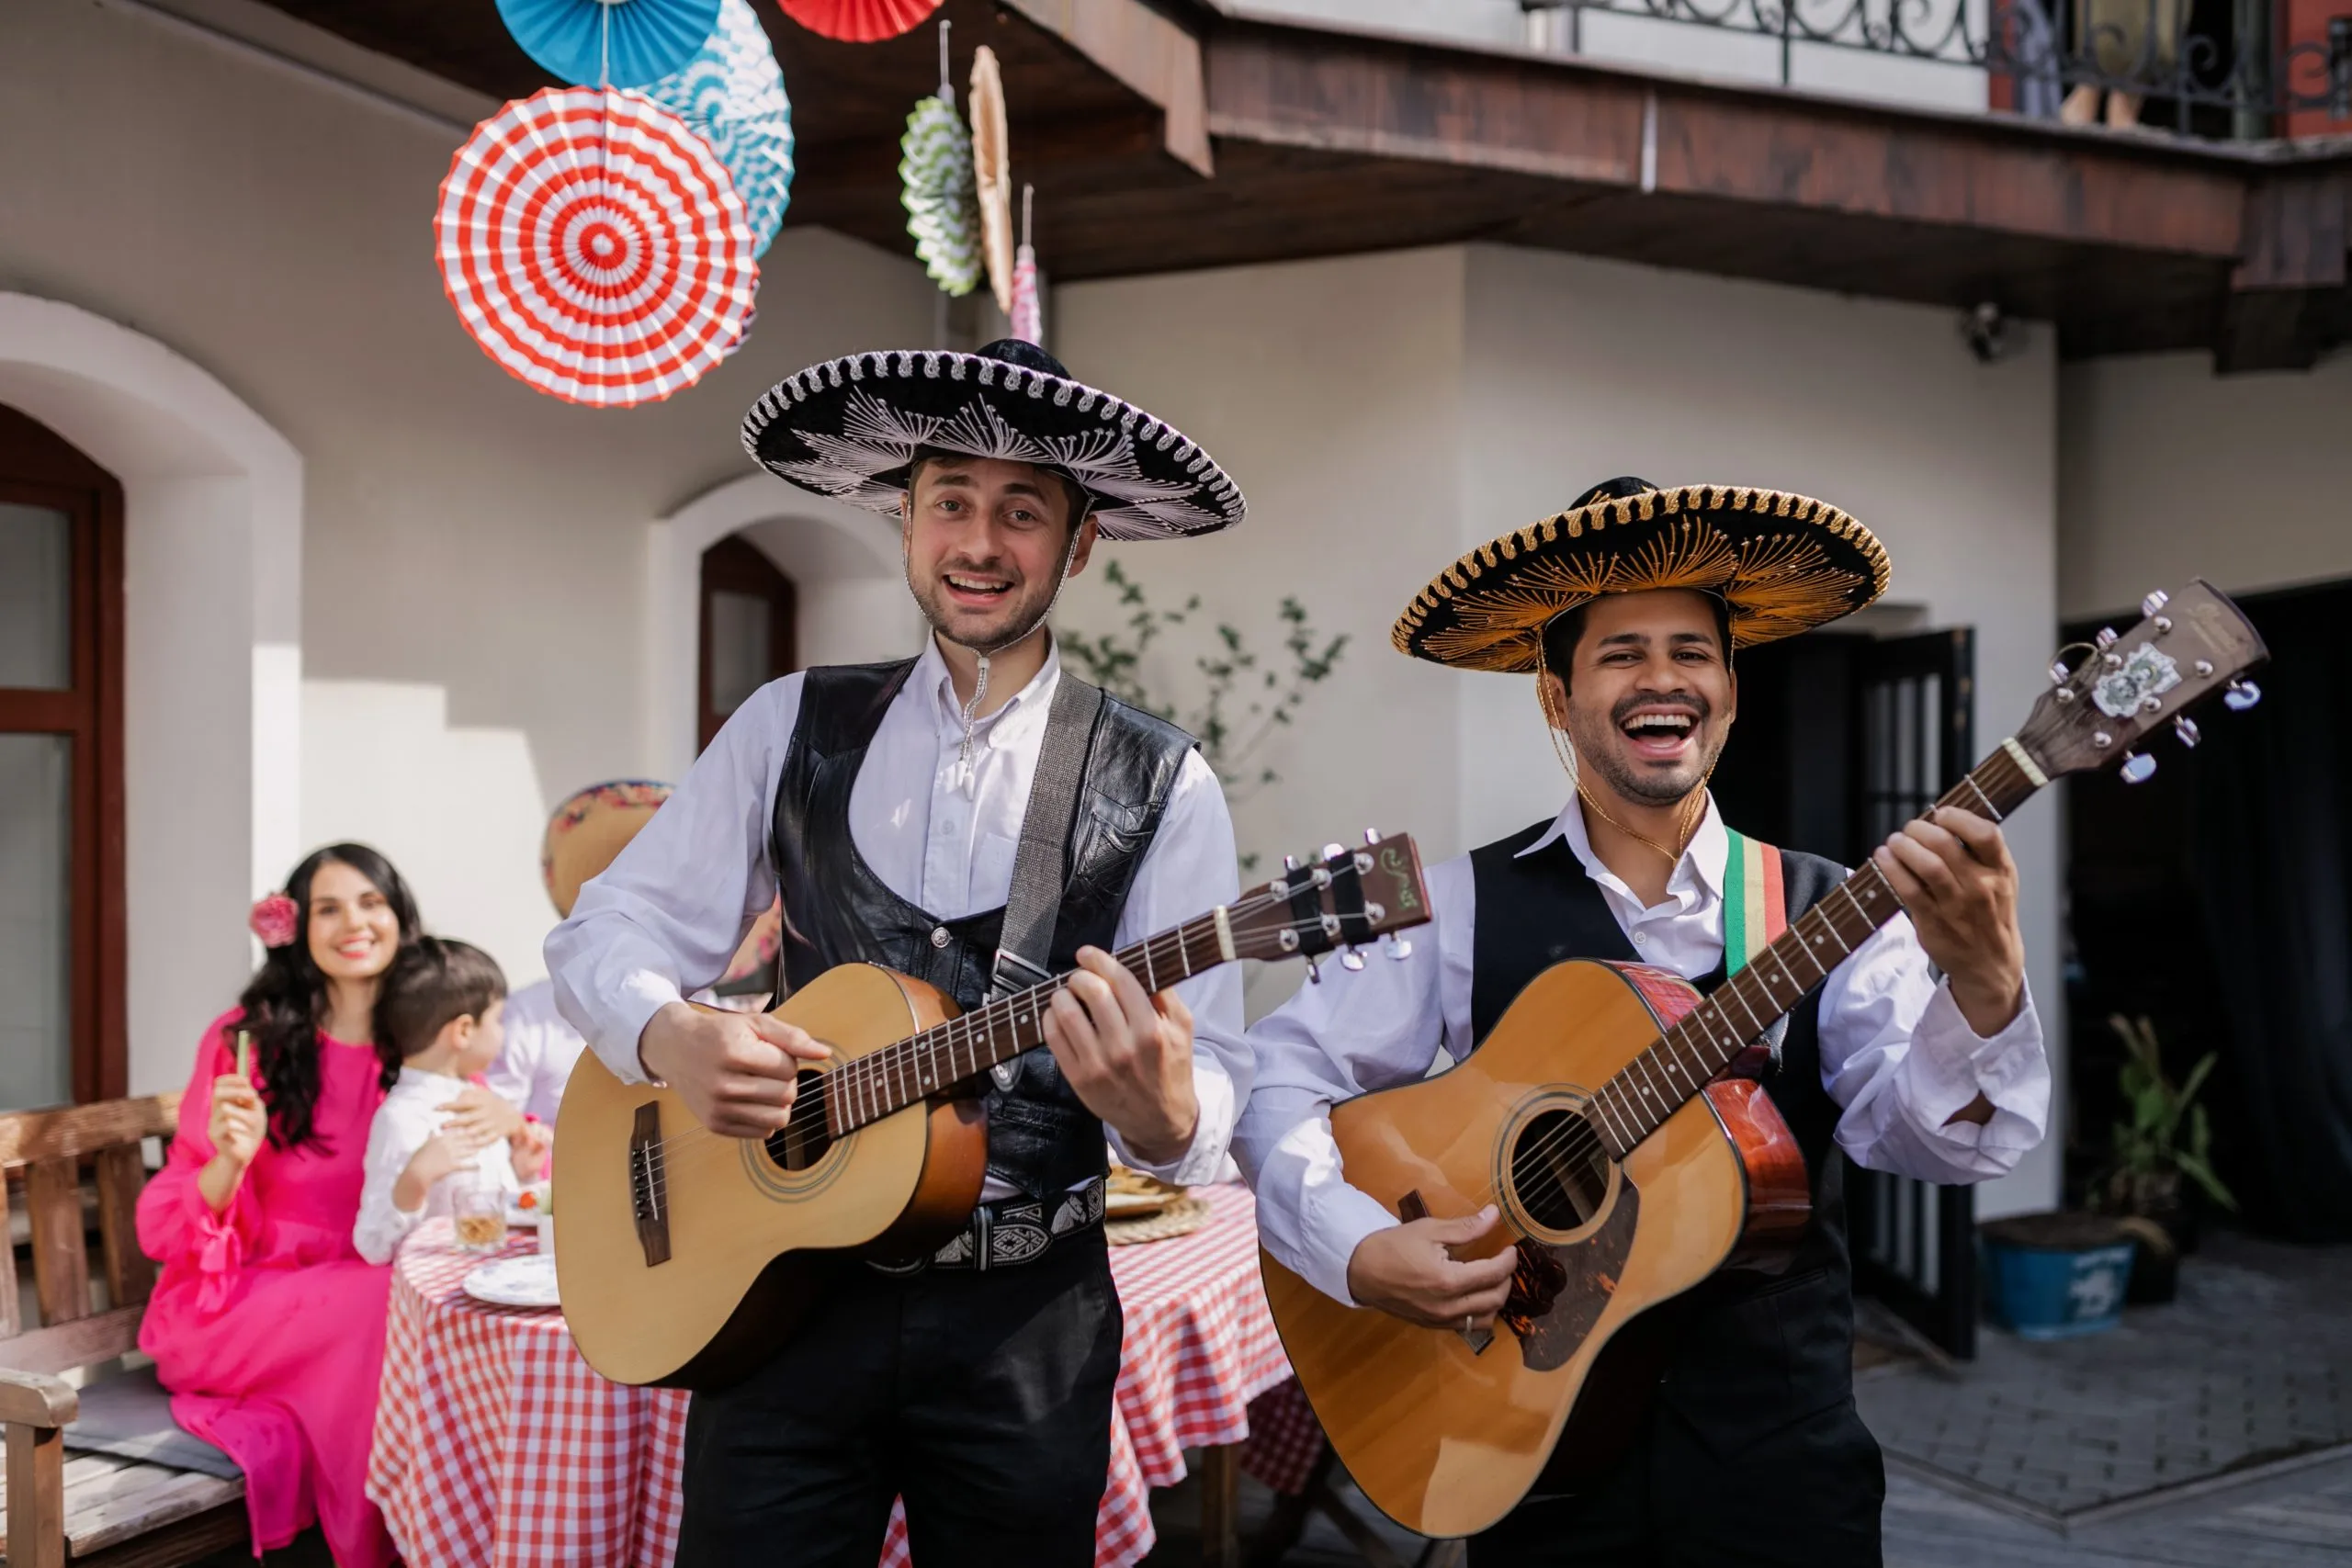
column 1341, row 899
column 2190, row 645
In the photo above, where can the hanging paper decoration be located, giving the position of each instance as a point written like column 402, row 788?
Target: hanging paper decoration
column 935, row 169
column 610, row 43
column 732, row 95
column 594, row 247
column 1028, row 312
column 860, row 21
column 992, row 174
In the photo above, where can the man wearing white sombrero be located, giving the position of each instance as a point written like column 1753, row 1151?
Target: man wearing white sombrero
column 1626, row 610
column 885, row 802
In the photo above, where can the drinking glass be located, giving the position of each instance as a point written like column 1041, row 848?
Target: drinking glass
column 478, row 1210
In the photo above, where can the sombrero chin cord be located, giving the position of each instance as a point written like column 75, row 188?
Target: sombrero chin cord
column 1556, row 722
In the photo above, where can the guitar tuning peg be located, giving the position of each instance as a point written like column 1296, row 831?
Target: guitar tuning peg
column 1371, row 836
column 1351, row 960
column 1397, row 946
column 1314, row 970
column 2185, row 728
column 1335, row 851
column 2138, row 767
column 2106, row 637
column 1290, row 863
column 2241, row 695
column 2058, row 673
column 2156, row 600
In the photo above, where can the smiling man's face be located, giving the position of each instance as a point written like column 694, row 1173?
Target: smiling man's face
column 984, row 544
column 1650, row 696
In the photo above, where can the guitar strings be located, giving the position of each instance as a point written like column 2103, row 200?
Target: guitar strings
column 1157, row 948
column 657, row 1151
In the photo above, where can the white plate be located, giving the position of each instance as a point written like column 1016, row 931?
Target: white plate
column 522, row 1219
column 526, row 1279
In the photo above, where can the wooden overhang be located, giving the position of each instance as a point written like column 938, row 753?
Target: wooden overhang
column 1172, row 135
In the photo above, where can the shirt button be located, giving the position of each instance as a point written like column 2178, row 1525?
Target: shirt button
column 1640, row 937
column 939, row 936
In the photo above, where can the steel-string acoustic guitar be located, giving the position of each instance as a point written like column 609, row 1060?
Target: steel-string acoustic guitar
column 1605, row 1117
column 687, row 1257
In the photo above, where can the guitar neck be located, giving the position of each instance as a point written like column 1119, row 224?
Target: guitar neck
column 874, row 1086
column 1653, row 1086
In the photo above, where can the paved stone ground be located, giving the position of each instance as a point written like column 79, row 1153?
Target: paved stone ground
column 2252, row 1365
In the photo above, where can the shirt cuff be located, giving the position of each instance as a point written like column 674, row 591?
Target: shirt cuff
column 1203, row 1161
column 1948, row 1064
column 624, row 1021
column 1336, row 1222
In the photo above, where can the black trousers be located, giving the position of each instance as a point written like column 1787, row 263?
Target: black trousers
column 984, row 1399
column 1807, row 1495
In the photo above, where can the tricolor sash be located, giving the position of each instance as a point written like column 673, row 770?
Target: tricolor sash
column 1756, row 901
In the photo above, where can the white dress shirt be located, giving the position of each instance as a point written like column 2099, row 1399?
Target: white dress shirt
column 1895, row 1053
column 535, row 1059
column 672, row 908
column 414, row 1108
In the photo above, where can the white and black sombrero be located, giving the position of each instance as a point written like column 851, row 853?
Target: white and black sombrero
column 849, row 428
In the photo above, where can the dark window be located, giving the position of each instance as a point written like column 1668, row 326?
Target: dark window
column 61, row 1035
column 747, row 634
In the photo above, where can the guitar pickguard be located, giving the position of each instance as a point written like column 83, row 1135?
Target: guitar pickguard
column 1560, row 1292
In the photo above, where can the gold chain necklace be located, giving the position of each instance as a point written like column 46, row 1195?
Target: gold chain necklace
column 1692, row 807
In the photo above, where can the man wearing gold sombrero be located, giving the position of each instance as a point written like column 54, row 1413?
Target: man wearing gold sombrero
column 891, row 806
column 1626, row 609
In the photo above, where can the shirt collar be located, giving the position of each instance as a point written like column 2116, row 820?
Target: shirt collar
column 1703, row 859
column 1009, row 724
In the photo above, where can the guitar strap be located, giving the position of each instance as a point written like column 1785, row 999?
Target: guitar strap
column 1756, row 911
column 1040, row 868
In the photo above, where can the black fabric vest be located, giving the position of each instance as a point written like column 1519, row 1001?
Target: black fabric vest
column 1041, row 1138
column 1751, row 1352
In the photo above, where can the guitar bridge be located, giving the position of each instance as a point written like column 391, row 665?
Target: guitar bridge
column 649, row 1185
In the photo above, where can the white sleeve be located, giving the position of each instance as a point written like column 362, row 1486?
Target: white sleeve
column 1353, row 1032
column 1900, row 1059
column 1190, row 869
column 669, row 913
column 392, row 1142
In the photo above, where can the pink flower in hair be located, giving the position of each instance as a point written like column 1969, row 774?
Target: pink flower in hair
column 274, row 920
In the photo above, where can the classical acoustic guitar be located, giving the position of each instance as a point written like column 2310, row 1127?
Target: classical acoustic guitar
column 1608, row 1117
column 687, row 1256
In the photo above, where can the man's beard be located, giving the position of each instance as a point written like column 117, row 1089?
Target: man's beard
column 1023, row 610
column 1597, row 737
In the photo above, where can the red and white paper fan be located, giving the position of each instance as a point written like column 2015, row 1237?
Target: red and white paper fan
column 595, row 247
column 860, row 21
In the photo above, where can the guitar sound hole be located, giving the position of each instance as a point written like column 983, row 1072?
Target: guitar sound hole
column 1559, row 1170
column 802, row 1141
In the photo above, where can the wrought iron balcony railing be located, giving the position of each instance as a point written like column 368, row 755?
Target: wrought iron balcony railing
column 2239, row 84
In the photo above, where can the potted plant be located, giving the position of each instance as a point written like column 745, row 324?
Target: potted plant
column 2164, row 1137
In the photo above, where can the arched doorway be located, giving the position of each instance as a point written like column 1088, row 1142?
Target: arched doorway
column 749, row 631
column 61, row 1035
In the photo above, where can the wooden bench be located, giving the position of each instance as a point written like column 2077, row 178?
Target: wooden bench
column 93, row 1510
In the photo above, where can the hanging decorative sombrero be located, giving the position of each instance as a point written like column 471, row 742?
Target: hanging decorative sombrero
column 992, row 174
column 1784, row 564
column 610, row 43
column 937, row 187
column 732, row 93
column 849, row 428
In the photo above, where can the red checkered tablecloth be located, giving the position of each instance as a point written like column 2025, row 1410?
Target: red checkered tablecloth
column 497, row 1447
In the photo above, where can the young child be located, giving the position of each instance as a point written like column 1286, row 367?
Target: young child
column 438, row 1016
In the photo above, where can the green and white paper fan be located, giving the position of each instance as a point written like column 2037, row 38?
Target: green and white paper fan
column 940, row 196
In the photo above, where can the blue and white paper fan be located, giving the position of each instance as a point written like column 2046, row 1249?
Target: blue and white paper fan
column 614, row 43
column 732, row 94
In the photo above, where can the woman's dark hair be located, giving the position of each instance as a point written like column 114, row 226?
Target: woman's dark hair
column 429, row 984
column 287, row 998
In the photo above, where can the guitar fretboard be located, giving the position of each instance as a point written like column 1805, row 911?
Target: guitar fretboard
column 1653, row 1086
column 873, row 1086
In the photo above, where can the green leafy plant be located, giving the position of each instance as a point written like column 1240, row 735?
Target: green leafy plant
column 1246, row 697
column 2151, row 1152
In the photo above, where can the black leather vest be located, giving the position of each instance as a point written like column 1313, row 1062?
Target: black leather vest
column 1041, row 1138
column 1752, row 1352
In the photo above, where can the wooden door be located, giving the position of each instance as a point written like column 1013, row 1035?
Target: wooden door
column 748, row 638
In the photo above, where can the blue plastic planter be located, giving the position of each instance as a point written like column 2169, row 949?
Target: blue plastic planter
column 2056, row 1292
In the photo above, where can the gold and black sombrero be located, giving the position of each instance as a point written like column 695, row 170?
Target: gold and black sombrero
column 1784, row 563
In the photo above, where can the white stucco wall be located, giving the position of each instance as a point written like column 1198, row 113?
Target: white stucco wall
column 2168, row 471
column 472, row 554
column 1384, row 413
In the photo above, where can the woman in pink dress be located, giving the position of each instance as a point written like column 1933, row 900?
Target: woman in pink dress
column 265, row 1325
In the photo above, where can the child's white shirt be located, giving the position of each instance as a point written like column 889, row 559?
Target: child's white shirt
column 414, row 1110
